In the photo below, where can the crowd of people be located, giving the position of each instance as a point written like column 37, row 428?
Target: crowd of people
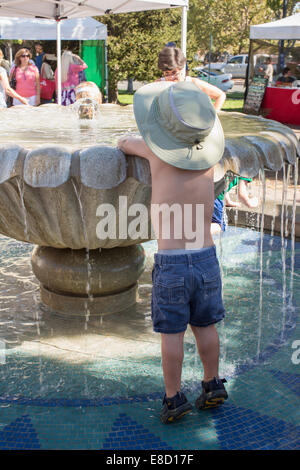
column 34, row 82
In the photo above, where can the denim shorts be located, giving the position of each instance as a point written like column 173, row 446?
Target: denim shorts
column 187, row 288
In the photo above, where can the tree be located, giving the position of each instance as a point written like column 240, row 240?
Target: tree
column 227, row 21
column 282, row 7
column 134, row 41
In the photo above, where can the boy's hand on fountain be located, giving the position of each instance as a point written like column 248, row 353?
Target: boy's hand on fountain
column 134, row 146
column 126, row 143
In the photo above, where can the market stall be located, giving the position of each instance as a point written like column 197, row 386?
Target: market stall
column 282, row 104
column 59, row 11
column 279, row 103
column 79, row 29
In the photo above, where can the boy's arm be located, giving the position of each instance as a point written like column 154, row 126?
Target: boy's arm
column 135, row 146
column 212, row 91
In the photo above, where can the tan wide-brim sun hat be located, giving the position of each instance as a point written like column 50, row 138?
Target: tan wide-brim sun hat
column 179, row 124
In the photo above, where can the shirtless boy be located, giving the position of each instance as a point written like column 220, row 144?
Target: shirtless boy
column 182, row 139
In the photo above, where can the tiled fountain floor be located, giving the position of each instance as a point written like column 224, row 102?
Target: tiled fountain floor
column 68, row 384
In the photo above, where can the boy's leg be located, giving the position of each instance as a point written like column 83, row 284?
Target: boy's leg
column 172, row 358
column 213, row 391
column 208, row 345
column 175, row 403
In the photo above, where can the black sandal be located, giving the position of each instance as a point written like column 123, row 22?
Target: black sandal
column 174, row 408
column 213, row 394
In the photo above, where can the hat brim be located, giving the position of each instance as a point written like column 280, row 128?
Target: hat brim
column 167, row 147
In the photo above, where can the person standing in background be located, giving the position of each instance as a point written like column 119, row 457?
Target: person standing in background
column 47, row 79
column 27, row 78
column 71, row 65
column 6, row 90
column 39, row 55
column 3, row 62
column 268, row 70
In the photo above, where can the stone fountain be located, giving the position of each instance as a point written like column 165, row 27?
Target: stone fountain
column 50, row 195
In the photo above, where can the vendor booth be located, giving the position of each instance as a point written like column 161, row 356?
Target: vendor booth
column 91, row 32
column 279, row 103
column 59, row 11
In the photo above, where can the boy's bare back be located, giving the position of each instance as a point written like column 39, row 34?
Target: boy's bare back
column 172, row 185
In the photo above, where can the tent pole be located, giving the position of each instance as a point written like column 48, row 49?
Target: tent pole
column 58, row 49
column 10, row 53
column 248, row 68
column 183, row 29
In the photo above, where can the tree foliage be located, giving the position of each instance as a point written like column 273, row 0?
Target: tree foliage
column 277, row 6
column 227, row 21
column 134, row 40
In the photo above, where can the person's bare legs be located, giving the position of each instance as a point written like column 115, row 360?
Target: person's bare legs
column 243, row 195
column 172, row 358
column 207, row 339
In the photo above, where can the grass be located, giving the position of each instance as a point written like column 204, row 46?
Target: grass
column 234, row 100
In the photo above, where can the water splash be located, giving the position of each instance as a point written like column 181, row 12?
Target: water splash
column 293, row 233
column 20, row 183
column 283, row 248
column 260, row 313
column 87, row 258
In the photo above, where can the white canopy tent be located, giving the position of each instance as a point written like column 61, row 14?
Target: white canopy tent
column 286, row 28
column 59, row 10
column 79, row 29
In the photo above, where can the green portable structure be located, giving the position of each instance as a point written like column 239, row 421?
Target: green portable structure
column 93, row 54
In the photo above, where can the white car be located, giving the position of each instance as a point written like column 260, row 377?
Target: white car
column 237, row 65
column 215, row 77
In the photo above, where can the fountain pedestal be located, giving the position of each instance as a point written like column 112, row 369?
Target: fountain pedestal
column 58, row 195
column 88, row 282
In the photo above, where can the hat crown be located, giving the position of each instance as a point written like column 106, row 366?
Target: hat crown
column 186, row 112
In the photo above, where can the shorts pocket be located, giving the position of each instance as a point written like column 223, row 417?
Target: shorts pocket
column 169, row 290
column 211, row 283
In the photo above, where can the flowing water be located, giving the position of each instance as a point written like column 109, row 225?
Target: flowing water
column 48, row 125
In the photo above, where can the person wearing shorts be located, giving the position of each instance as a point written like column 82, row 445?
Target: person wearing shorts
column 182, row 139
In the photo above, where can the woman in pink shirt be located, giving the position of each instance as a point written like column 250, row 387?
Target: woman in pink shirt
column 71, row 65
column 27, row 78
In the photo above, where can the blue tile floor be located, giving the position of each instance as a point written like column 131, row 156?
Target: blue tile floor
column 97, row 384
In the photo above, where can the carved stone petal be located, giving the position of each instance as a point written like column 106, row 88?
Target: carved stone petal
column 269, row 153
column 47, row 167
column 241, row 157
column 287, row 150
column 139, row 169
column 102, row 167
column 8, row 162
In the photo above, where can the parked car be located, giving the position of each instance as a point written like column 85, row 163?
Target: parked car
column 215, row 77
column 237, row 65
